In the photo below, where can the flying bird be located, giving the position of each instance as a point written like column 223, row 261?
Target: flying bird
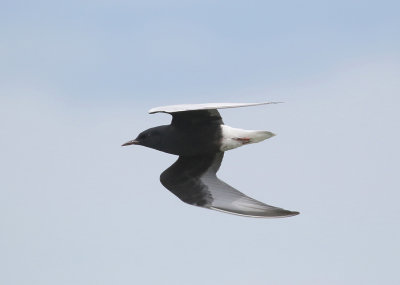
column 199, row 136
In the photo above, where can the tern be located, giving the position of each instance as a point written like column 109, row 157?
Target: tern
column 199, row 137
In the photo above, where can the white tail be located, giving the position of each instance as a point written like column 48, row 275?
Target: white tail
column 233, row 138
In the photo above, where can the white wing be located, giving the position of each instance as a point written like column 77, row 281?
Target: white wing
column 206, row 106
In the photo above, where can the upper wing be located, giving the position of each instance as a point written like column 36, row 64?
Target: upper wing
column 196, row 118
column 207, row 106
column 195, row 114
column 194, row 181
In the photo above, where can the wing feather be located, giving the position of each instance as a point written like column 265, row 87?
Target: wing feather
column 194, row 181
column 206, row 106
column 228, row 199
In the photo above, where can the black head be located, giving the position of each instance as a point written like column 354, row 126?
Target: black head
column 150, row 138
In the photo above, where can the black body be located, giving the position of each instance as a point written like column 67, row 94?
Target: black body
column 189, row 134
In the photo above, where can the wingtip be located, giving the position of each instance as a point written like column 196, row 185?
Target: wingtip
column 287, row 214
column 284, row 214
column 153, row 110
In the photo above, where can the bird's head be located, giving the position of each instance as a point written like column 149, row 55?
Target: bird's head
column 149, row 138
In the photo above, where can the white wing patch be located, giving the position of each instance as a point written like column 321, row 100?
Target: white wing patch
column 206, row 106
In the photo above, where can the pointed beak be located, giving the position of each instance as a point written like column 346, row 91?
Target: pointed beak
column 131, row 142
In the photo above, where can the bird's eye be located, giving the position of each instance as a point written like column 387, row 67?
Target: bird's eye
column 143, row 136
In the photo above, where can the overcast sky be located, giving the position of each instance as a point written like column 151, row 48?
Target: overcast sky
column 77, row 79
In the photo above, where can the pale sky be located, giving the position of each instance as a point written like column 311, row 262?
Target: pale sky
column 77, row 79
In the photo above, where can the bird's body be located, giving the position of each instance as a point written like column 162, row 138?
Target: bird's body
column 198, row 135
